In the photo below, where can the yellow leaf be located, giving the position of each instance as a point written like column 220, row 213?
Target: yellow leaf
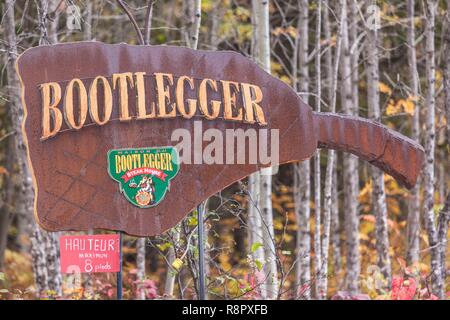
column 224, row 259
column 292, row 31
column 409, row 106
column 3, row 171
column 365, row 191
column 286, row 79
column 278, row 225
column 384, row 88
column 392, row 109
column 438, row 76
column 177, row 264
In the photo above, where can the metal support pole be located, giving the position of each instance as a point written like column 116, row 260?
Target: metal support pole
column 119, row 274
column 201, row 253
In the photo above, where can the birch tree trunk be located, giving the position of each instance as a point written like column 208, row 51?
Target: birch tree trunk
column 5, row 222
column 141, row 242
column 350, row 167
column 430, row 145
column 87, row 32
column 140, row 265
column 447, row 73
column 335, row 226
column 194, row 8
column 330, row 196
column 192, row 34
column 317, row 183
column 24, row 198
column 255, row 231
column 8, row 190
column 354, row 52
column 444, row 216
column 87, row 36
column 413, row 224
column 148, row 21
column 18, row 195
column 49, row 240
column 302, row 185
column 217, row 13
column 378, row 194
column 169, row 284
column 262, row 57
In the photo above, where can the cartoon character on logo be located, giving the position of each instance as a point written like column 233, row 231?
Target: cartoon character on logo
column 143, row 174
column 145, row 195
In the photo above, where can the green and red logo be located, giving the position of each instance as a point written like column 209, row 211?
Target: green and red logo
column 143, row 174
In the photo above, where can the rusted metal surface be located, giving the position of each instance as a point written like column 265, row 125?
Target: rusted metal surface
column 384, row 148
column 72, row 186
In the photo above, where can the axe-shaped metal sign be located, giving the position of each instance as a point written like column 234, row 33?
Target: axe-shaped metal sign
column 100, row 120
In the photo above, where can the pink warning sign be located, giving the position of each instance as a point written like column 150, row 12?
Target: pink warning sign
column 90, row 253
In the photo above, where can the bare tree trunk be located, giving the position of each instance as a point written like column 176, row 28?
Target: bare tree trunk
column 195, row 15
column 53, row 22
column 24, row 199
column 447, row 73
column 5, row 221
column 148, row 21
column 38, row 256
column 87, row 32
column 335, row 221
column 192, row 34
column 217, row 15
column 207, row 253
column 6, row 216
column 350, row 168
column 444, row 216
column 302, row 185
column 354, row 51
column 18, row 199
column 170, row 275
column 49, row 240
column 413, row 226
column 8, row 189
column 87, row 35
column 430, row 145
column 262, row 57
column 255, row 232
column 140, row 265
column 317, row 183
column 330, row 208
column 378, row 193
column 52, row 261
column 141, row 242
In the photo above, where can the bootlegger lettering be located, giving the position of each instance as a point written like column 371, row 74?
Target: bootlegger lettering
column 159, row 95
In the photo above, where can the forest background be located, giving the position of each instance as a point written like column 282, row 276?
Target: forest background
column 333, row 227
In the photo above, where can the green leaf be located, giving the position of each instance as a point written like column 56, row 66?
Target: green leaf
column 4, row 291
column 2, row 276
column 256, row 246
column 164, row 246
column 192, row 221
column 259, row 265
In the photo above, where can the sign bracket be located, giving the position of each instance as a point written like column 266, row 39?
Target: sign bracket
column 201, row 251
column 119, row 274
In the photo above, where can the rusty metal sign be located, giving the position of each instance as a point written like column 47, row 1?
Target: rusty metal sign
column 100, row 122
